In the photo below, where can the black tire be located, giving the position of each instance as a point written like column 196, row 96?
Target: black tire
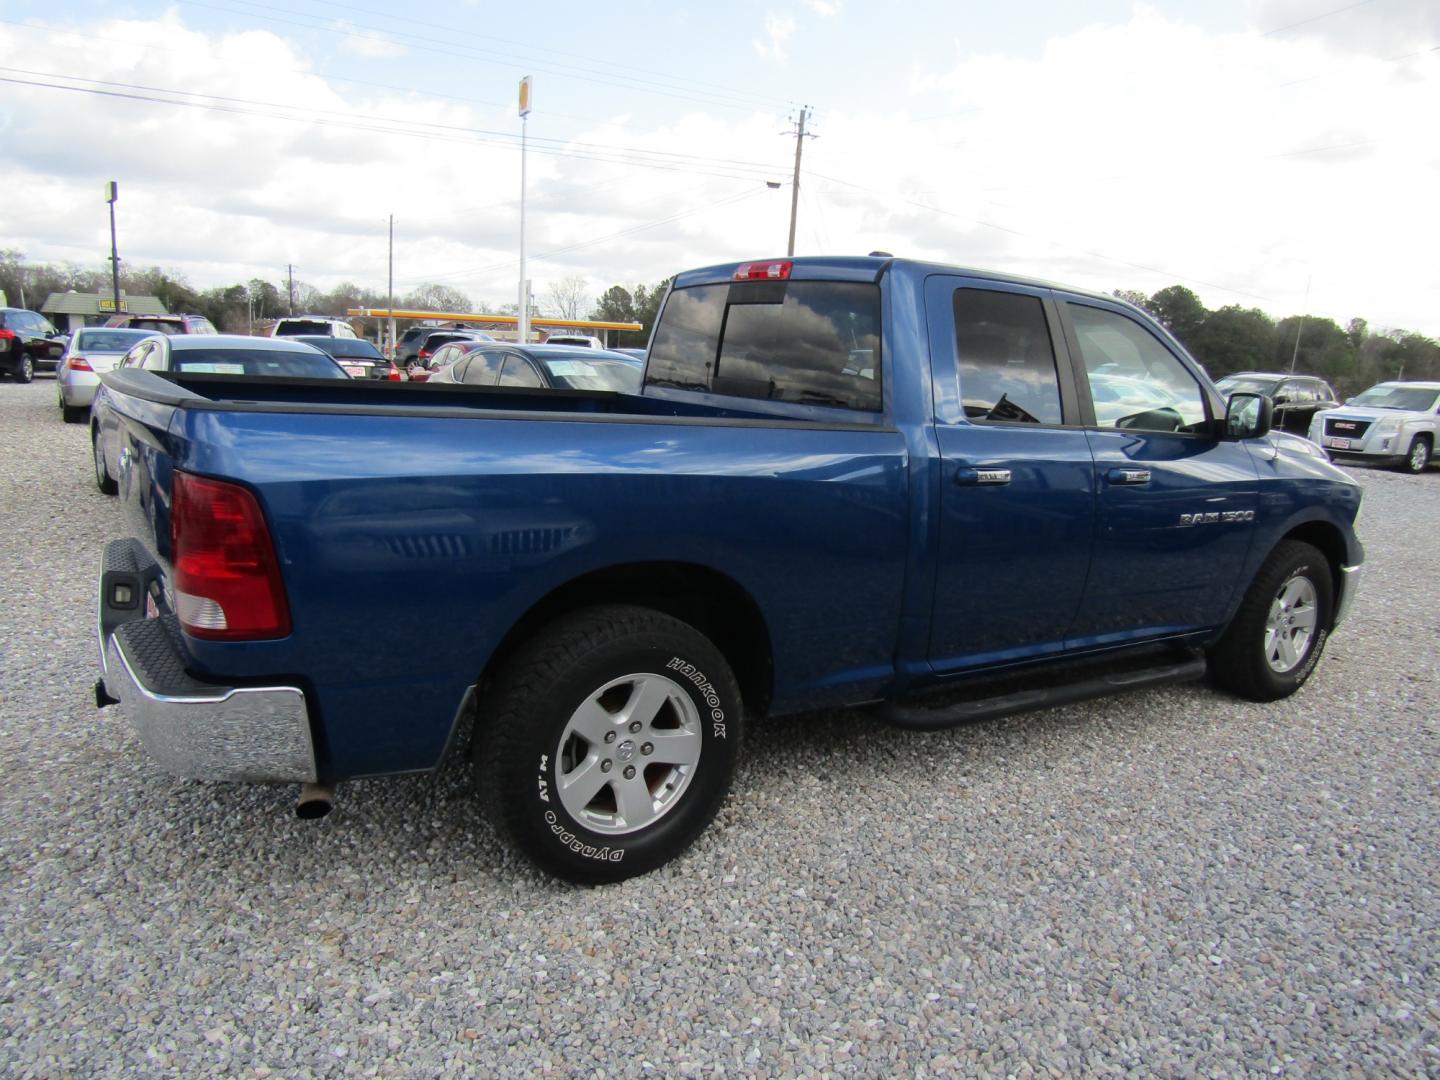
column 71, row 414
column 1242, row 660
column 522, row 747
column 1417, row 458
column 103, row 480
column 26, row 371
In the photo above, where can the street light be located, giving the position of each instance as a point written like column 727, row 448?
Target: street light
column 112, row 192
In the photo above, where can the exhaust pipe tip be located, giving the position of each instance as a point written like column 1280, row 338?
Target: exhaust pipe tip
column 316, row 800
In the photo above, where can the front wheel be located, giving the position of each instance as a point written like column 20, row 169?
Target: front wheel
column 1418, row 457
column 609, row 742
column 1275, row 639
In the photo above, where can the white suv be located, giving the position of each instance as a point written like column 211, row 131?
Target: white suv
column 317, row 325
column 585, row 341
column 1392, row 423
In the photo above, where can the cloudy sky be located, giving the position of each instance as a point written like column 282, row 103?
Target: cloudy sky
column 1258, row 152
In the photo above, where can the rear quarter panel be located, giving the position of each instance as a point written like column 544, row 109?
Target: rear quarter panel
column 410, row 545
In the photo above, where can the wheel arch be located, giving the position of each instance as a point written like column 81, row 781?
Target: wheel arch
column 710, row 601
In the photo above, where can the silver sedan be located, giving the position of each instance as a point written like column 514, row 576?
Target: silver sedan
column 92, row 350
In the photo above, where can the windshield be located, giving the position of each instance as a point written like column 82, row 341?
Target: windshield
column 1236, row 385
column 164, row 326
column 594, row 375
column 293, row 365
column 1409, row 398
column 116, row 341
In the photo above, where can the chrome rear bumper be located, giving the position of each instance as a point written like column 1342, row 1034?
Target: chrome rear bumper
column 200, row 730
column 194, row 728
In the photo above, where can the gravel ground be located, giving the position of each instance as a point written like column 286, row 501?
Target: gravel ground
column 1172, row 883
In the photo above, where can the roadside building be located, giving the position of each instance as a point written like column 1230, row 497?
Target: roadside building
column 69, row 311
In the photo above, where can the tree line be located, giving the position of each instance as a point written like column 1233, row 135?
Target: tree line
column 1235, row 338
column 1225, row 340
column 237, row 308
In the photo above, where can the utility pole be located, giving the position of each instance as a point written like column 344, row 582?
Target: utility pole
column 290, row 270
column 522, row 325
column 112, row 192
column 795, row 183
column 390, row 287
column 1295, row 353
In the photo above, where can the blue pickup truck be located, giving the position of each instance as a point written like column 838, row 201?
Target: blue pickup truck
column 941, row 493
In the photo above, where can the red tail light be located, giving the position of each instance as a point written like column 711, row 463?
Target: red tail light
column 227, row 578
column 763, row 271
column 7, row 335
column 425, row 354
column 394, row 375
column 79, row 363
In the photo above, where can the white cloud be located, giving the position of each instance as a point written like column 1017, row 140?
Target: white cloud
column 775, row 45
column 822, row 7
column 1135, row 154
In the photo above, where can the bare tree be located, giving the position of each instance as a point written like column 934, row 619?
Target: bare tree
column 568, row 297
column 433, row 297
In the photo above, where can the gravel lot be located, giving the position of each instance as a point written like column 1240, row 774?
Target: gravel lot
column 1172, row 883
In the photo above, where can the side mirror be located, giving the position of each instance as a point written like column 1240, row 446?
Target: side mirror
column 1248, row 416
column 1282, row 400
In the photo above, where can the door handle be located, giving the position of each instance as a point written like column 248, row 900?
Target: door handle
column 971, row 477
column 1128, row 476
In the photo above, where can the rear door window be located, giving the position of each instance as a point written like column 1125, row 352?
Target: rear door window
column 483, row 367
column 518, row 371
column 1006, row 359
column 807, row 342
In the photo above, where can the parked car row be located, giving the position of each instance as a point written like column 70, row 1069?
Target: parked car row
column 1393, row 423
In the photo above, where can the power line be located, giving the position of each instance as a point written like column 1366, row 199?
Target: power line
column 1316, row 18
column 632, row 157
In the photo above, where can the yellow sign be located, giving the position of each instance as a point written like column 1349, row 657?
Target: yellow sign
column 109, row 305
column 525, row 96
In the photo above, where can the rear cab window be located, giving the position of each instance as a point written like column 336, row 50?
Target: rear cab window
column 800, row 342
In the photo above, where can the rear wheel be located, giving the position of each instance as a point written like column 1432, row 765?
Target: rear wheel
column 103, row 480
column 1275, row 639
column 609, row 742
column 71, row 414
column 26, row 371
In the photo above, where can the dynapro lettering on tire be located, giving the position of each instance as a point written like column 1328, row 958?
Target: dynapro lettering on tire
column 608, row 742
column 578, row 846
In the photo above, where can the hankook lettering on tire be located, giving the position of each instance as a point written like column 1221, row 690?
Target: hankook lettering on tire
column 712, row 699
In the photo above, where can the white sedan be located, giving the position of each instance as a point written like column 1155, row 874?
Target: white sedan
column 92, row 350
